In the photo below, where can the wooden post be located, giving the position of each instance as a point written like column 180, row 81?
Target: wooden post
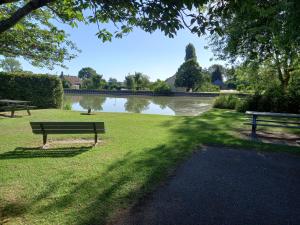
column 253, row 133
column 27, row 108
column 44, row 139
column 12, row 112
column 96, row 138
column 44, row 135
column 96, row 135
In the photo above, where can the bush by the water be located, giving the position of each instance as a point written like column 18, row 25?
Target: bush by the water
column 208, row 87
column 161, row 87
column 43, row 91
column 275, row 99
column 226, row 102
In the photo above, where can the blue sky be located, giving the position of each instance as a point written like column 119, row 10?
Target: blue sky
column 152, row 54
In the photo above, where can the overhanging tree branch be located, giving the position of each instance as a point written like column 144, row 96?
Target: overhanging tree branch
column 7, row 1
column 21, row 12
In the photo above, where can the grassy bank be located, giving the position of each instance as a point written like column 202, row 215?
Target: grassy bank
column 84, row 185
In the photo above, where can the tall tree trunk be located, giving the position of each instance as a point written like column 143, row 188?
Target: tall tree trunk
column 283, row 74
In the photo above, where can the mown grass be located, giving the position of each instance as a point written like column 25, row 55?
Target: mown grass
column 77, row 184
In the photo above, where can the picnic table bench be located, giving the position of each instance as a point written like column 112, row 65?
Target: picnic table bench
column 46, row 128
column 275, row 121
column 16, row 105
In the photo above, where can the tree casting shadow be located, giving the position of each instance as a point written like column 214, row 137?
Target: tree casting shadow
column 127, row 179
column 36, row 152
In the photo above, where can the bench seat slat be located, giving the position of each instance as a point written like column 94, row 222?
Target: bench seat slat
column 65, row 123
column 278, row 121
column 86, row 131
column 272, row 125
column 67, row 131
column 68, row 126
column 268, row 114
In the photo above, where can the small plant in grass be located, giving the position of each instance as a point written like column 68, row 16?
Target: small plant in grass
column 67, row 106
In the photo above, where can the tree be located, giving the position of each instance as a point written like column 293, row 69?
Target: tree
column 130, row 82
column 86, row 73
column 261, row 31
column 91, row 79
column 160, row 87
column 113, row 83
column 189, row 75
column 141, row 80
column 190, row 52
column 94, row 82
column 137, row 81
column 10, row 65
column 216, row 73
column 27, row 28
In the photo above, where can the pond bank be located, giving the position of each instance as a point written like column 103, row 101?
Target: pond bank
column 145, row 93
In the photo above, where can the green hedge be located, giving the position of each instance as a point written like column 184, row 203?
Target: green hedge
column 44, row 91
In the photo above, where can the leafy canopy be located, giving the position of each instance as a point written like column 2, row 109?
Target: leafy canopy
column 216, row 73
column 91, row 79
column 35, row 38
column 27, row 28
column 160, row 87
column 137, row 81
column 190, row 52
column 86, row 73
column 257, row 31
column 189, row 75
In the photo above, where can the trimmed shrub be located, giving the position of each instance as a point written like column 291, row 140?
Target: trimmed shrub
column 226, row 102
column 44, row 91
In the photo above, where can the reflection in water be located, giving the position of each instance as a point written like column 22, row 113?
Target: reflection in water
column 136, row 105
column 89, row 101
column 188, row 106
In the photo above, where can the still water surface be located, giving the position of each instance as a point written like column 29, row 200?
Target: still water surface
column 185, row 106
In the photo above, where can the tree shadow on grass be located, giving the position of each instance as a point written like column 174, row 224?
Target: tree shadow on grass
column 3, row 115
column 125, row 180
column 36, row 152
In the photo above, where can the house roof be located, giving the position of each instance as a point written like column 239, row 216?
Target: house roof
column 74, row 80
column 218, row 82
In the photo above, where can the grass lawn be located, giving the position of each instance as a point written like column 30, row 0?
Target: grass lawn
column 77, row 184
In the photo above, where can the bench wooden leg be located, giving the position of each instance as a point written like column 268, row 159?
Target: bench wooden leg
column 28, row 112
column 96, row 138
column 12, row 113
column 253, row 132
column 44, row 139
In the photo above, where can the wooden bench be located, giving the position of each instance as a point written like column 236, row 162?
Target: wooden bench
column 14, row 108
column 46, row 128
column 275, row 120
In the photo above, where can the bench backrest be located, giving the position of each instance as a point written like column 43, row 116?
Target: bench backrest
column 269, row 114
column 67, row 127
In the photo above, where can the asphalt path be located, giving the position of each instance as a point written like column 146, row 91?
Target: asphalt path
column 223, row 186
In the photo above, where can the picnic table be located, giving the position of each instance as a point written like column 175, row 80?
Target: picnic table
column 275, row 121
column 16, row 105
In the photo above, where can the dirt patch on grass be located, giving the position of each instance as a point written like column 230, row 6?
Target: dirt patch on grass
column 273, row 137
